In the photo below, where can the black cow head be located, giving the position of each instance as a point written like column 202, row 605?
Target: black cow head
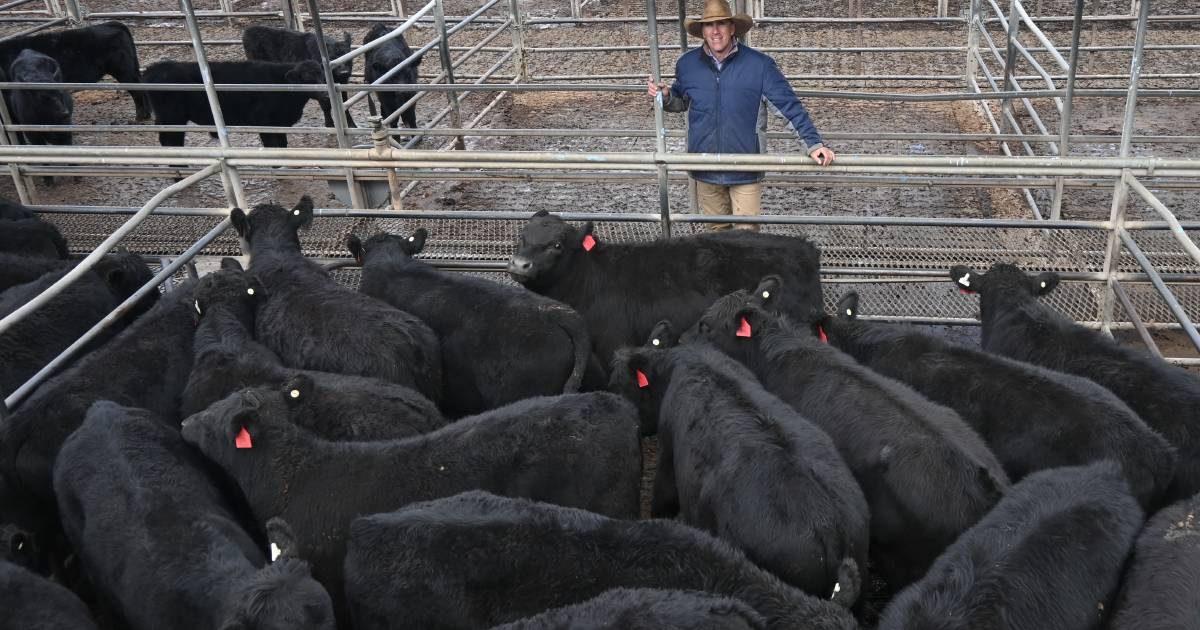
column 1003, row 278
column 124, row 273
column 641, row 374
column 280, row 596
column 230, row 288
column 233, row 430
column 731, row 323
column 384, row 247
column 336, row 49
column 270, row 227
column 17, row 546
column 546, row 249
column 847, row 307
column 305, row 73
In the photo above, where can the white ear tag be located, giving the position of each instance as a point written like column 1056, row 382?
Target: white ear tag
column 411, row 239
column 296, row 212
column 21, row 546
column 849, row 312
column 655, row 342
column 1043, row 285
column 196, row 304
column 837, row 588
column 766, row 294
column 295, row 393
column 275, row 552
column 250, row 291
column 965, row 280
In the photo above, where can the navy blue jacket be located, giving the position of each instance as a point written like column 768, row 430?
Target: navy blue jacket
column 722, row 106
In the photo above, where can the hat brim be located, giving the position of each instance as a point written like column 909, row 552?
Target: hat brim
column 741, row 24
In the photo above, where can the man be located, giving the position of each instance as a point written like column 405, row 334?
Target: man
column 720, row 85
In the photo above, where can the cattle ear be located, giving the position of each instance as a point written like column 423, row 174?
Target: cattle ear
column 354, row 244
column 229, row 263
column 302, row 212
column 966, row 278
column 766, row 290
column 848, row 306
column 18, row 546
column 1045, row 282
column 662, row 336
column 297, row 388
column 237, row 217
column 416, row 241
column 282, row 539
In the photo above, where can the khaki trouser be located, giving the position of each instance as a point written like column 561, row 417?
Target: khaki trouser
column 740, row 199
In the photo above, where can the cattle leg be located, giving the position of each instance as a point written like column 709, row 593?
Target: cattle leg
column 170, row 138
column 664, row 502
column 326, row 108
column 274, row 140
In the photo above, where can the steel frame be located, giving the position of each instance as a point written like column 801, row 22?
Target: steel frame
column 383, row 160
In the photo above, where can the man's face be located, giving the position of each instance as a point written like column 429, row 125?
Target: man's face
column 719, row 36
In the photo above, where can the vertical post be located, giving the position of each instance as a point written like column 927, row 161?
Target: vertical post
column 439, row 17
column 379, row 137
column 518, row 36
column 1116, row 219
column 399, row 9
column 576, row 13
column 1064, row 133
column 74, row 11
column 1010, row 62
column 22, row 183
column 660, row 138
column 289, row 15
column 943, row 8
column 693, row 202
column 229, row 176
column 973, row 26
column 336, row 106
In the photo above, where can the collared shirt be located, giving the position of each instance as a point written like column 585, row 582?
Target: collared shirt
column 719, row 62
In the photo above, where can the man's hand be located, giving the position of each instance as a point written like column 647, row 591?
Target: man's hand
column 653, row 89
column 823, row 155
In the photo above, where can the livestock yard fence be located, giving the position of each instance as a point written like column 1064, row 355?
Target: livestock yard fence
column 997, row 191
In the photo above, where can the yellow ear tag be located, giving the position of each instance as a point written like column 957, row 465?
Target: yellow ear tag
column 295, row 393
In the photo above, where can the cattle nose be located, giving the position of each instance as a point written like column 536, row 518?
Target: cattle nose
column 520, row 265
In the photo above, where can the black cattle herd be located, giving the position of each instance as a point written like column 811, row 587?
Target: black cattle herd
column 273, row 56
column 267, row 448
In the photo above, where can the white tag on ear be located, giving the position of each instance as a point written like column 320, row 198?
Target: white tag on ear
column 655, row 342
column 196, row 303
column 275, row 552
column 250, row 291
column 21, row 546
column 837, row 588
column 766, row 294
column 849, row 312
column 411, row 239
column 1043, row 285
column 965, row 280
column 296, row 212
column 295, row 393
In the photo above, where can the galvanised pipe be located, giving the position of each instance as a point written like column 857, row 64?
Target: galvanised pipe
column 1130, row 310
column 1172, row 304
column 337, row 106
column 164, row 275
column 1168, row 216
column 1068, row 105
column 1041, row 37
column 91, row 259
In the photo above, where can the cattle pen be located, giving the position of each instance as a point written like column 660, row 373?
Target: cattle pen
column 1061, row 136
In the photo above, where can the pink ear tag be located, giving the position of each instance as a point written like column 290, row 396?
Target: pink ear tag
column 821, row 335
column 243, row 439
column 744, row 329
column 643, row 382
column 589, row 242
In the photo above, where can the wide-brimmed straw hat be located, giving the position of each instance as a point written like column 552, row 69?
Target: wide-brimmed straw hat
column 715, row 11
